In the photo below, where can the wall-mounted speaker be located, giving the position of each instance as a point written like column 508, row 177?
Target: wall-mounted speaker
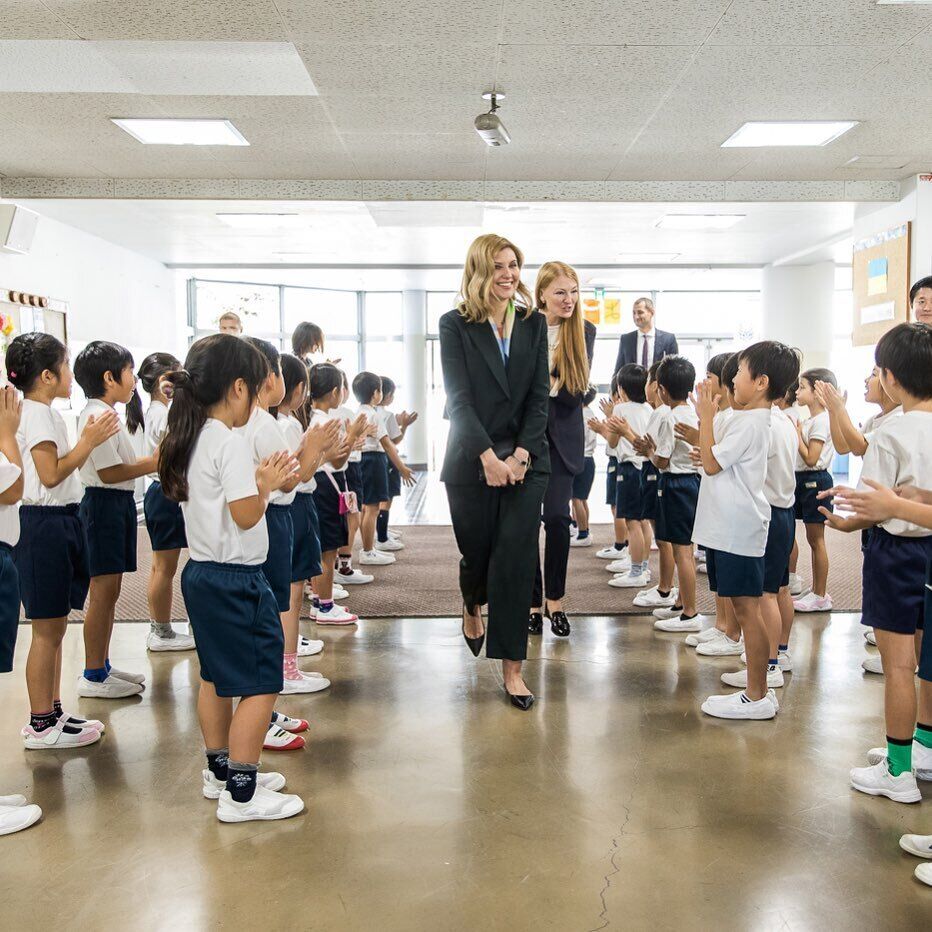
column 17, row 228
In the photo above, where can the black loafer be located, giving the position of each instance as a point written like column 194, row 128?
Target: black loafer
column 521, row 702
column 536, row 623
column 559, row 624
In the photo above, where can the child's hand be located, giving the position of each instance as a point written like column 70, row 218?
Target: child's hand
column 100, row 428
column 596, row 426
column 11, row 408
column 695, row 456
column 837, row 521
column 358, row 428
column 705, row 400
column 276, row 471
column 875, row 506
column 407, row 477
column 687, row 433
column 319, row 438
column 828, row 396
column 644, row 446
column 371, row 431
column 607, row 406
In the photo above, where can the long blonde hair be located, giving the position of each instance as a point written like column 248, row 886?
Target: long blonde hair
column 478, row 273
column 570, row 360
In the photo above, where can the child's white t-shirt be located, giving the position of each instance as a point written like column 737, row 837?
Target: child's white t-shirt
column 156, row 426
column 874, row 422
column 637, row 414
column 780, row 487
column 671, row 447
column 294, row 434
column 733, row 514
column 591, row 437
column 373, row 416
column 658, row 416
column 346, row 415
column 391, row 424
column 9, row 514
column 817, row 428
column 900, row 453
column 43, row 424
column 113, row 452
column 322, row 417
column 221, row 471
column 265, row 437
column 720, row 420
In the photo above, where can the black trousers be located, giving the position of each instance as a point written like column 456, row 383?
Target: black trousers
column 556, row 516
column 497, row 531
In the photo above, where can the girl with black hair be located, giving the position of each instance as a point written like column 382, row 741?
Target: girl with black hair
column 207, row 466
column 51, row 555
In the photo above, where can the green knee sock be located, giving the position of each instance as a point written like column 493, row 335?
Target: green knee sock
column 923, row 735
column 899, row 756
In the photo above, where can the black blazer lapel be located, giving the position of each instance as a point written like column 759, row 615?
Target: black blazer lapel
column 484, row 340
column 519, row 345
column 631, row 350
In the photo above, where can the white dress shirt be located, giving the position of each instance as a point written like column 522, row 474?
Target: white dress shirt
column 649, row 339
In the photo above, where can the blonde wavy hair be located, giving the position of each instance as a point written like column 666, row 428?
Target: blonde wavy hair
column 570, row 360
column 478, row 274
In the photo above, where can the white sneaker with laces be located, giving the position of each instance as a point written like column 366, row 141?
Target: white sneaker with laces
column 336, row 616
column 811, row 602
column 870, row 637
column 110, row 688
column 670, row 612
column 739, row 706
column 739, row 678
column 309, row 683
column 138, row 678
column 919, row 845
column 59, row 737
column 389, row 545
column 353, row 578
column 651, row 598
column 16, row 818
column 212, row 787
column 622, row 565
column 308, row 647
column 878, row 781
column 178, row 642
column 873, row 664
column 265, row 806
column 340, row 593
column 582, row 541
column 610, row 553
column 629, row 581
column 722, row 646
column 922, row 759
column 680, row 625
column 12, row 801
column 376, row 558
column 796, row 584
column 704, row 637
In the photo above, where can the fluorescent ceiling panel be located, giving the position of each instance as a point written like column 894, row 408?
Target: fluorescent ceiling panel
column 219, row 69
column 877, row 161
column 788, row 133
column 185, row 132
column 698, row 221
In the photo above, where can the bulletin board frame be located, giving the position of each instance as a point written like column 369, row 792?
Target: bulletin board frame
column 881, row 280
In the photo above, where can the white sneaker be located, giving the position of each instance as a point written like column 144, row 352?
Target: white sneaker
column 722, row 646
column 703, row 637
column 738, row 706
column 277, row 739
column 59, row 737
column 178, row 642
column 308, row 647
column 923, row 872
column 309, row 683
column 375, row 558
column 389, row 545
column 922, row 759
column 610, row 553
column 574, row 530
column 74, row 721
column 110, row 688
column 811, row 602
column 582, row 541
column 870, row 637
column 878, row 781
column 621, row 581
column 873, row 664
column 396, row 535
column 796, row 584
column 773, row 699
column 739, row 678
column 16, row 818
column 265, row 806
column 287, row 723
column 702, row 568
column 919, row 845
column 622, row 565
column 212, row 787
column 651, row 598
column 671, row 612
column 336, row 616
column 138, row 678
column 339, row 592
column 680, row 625
column 10, row 802
column 352, row 578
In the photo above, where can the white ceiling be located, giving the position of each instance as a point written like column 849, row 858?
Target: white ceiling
column 597, row 90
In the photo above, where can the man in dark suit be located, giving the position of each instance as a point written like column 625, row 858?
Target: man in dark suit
column 645, row 346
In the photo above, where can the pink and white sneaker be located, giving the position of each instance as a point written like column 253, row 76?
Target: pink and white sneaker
column 60, row 736
column 811, row 602
column 75, row 722
column 337, row 615
column 277, row 739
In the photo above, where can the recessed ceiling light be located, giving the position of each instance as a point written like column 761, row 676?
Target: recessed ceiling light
column 257, row 221
column 183, row 132
column 698, row 221
column 788, row 133
column 877, row 161
column 647, row 258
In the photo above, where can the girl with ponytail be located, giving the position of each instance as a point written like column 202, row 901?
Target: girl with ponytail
column 207, row 466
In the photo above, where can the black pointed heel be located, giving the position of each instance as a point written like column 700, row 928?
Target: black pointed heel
column 474, row 644
column 520, row 702
column 536, row 623
column 559, row 623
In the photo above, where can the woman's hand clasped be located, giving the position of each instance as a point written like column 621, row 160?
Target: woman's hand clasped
column 498, row 473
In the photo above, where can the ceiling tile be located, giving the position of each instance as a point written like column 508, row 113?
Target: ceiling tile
column 422, row 190
column 30, row 19
column 538, row 163
column 317, row 165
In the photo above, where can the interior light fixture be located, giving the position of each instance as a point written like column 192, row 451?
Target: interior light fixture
column 261, row 221
column 788, row 133
column 181, row 132
column 647, row 258
column 489, row 125
column 877, row 161
column 698, row 221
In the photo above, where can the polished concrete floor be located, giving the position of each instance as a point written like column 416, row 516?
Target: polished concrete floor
column 432, row 804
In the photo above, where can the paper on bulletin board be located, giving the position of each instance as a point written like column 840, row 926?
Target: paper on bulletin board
column 592, row 310
column 875, row 313
column 876, row 277
column 611, row 312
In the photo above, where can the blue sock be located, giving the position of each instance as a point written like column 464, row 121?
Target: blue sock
column 582, row 535
column 645, row 566
column 772, row 663
column 783, row 648
column 96, row 676
column 107, row 665
column 326, row 605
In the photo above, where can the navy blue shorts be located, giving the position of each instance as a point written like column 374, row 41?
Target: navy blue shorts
column 808, row 486
column 9, row 607
column 237, row 631
column 353, row 473
column 394, row 481
column 333, row 530
column 677, row 497
column 109, row 517
column 164, row 520
column 628, row 501
column 277, row 566
column 305, row 554
column 650, row 477
column 51, row 559
column 781, row 535
column 374, row 478
column 732, row 576
column 893, row 579
column 611, row 481
column 582, row 483
column 925, row 657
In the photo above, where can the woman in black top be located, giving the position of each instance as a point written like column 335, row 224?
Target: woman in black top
column 494, row 357
column 570, row 341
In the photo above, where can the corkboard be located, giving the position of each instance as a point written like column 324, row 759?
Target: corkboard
column 881, row 284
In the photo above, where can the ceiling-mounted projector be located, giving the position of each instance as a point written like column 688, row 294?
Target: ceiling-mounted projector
column 489, row 125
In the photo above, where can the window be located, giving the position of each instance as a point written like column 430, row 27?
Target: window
column 438, row 303
column 383, row 313
column 335, row 312
column 256, row 305
column 733, row 313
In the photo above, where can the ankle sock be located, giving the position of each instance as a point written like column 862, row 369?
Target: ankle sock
column 59, row 711
column 664, row 594
column 72, row 719
column 923, row 735
column 96, row 676
column 685, row 617
column 241, row 780
column 40, row 721
column 582, row 535
column 326, row 605
column 783, row 648
column 381, row 526
column 107, row 666
column 345, row 564
column 163, row 630
column 217, row 762
column 772, row 665
column 621, row 546
column 899, row 755
column 290, row 667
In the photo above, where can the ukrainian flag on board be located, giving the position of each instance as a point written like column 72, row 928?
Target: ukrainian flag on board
column 877, row 276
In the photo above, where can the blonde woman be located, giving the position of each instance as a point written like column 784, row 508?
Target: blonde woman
column 493, row 350
column 570, row 342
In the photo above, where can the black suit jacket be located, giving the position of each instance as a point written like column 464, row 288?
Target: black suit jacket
column 565, row 429
column 487, row 401
column 664, row 345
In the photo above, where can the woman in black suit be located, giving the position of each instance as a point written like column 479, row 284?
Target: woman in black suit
column 494, row 357
column 570, row 342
